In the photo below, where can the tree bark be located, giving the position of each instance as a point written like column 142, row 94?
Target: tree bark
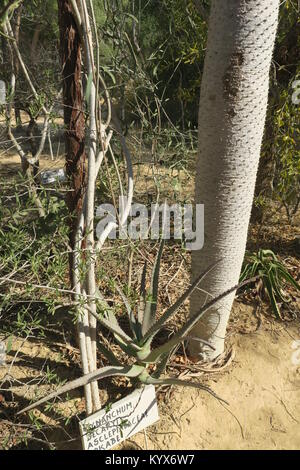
column 73, row 113
column 233, row 104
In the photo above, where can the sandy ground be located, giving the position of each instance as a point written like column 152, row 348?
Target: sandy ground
column 261, row 385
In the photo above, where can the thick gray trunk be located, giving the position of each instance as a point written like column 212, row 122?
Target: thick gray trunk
column 233, row 104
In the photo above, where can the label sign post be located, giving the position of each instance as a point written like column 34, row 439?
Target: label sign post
column 111, row 426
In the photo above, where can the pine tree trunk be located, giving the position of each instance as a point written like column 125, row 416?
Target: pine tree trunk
column 233, row 104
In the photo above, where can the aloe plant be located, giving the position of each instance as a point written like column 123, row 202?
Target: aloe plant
column 144, row 327
column 272, row 277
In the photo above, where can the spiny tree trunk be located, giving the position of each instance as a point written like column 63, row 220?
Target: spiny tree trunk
column 233, row 104
column 73, row 113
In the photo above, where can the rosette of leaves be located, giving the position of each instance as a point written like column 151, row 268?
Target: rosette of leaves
column 272, row 277
column 144, row 325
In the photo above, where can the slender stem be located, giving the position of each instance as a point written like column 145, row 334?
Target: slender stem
column 126, row 210
column 90, row 282
column 90, row 354
column 82, row 313
column 8, row 31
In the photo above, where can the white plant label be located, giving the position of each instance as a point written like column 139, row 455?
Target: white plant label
column 107, row 428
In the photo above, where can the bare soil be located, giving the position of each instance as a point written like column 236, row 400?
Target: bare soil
column 261, row 385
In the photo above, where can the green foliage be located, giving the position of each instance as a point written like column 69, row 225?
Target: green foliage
column 286, row 145
column 281, row 152
column 273, row 277
column 155, row 65
column 155, row 57
column 31, row 254
column 178, row 37
column 38, row 22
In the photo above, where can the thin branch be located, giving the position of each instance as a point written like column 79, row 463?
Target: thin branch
column 8, row 30
column 90, row 281
column 125, row 212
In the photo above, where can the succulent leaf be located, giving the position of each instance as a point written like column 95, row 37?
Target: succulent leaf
column 108, row 354
column 162, row 364
column 128, row 371
column 272, row 274
column 151, row 305
column 131, row 317
column 183, row 332
column 142, row 302
column 129, row 349
column 109, row 320
column 173, row 309
column 289, row 278
column 116, row 329
column 182, row 383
